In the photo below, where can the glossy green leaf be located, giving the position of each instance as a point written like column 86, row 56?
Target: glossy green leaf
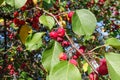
column 65, row 71
column 34, row 41
column 16, row 3
column 1, row 1
column 50, row 56
column 113, row 42
column 113, row 62
column 47, row 21
column 83, row 22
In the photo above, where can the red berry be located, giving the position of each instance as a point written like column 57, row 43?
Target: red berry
column 93, row 76
column 1, row 67
column 81, row 49
column 16, row 14
column 16, row 21
column 102, row 69
column 21, row 22
column 62, row 56
column 102, row 1
column 73, row 61
column 10, row 66
column 35, row 26
column 65, row 43
column 35, row 19
column 53, row 35
column 61, row 32
column 59, row 39
column 75, row 57
column 12, row 71
column 23, row 8
column 23, row 65
column 70, row 14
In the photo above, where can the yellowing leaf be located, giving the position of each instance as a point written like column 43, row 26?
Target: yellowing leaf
column 85, row 67
column 24, row 32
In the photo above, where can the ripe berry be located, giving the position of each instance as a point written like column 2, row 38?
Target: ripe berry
column 101, row 1
column 35, row 26
column 65, row 43
column 102, row 69
column 70, row 14
column 73, row 61
column 23, row 8
column 61, row 32
column 81, row 49
column 59, row 39
column 1, row 67
column 16, row 14
column 93, row 76
column 21, row 22
column 16, row 21
column 53, row 35
column 62, row 56
column 10, row 66
column 75, row 57
column 12, row 71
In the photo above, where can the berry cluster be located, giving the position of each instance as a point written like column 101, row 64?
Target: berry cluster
column 58, row 35
column 11, row 69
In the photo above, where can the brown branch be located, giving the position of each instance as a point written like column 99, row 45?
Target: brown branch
column 71, row 41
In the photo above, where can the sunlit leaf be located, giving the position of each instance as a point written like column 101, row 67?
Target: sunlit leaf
column 34, row 41
column 113, row 42
column 16, row 3
column 113, row 62
column 50, row 56
column 47, row 21
column 65, row 71
column 83, row 22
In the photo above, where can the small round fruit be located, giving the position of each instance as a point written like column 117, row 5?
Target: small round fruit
column 59, row 39
column 16, row 14
column 102, row 69
column 73, row 61
column 53, row 35
column 63, row 56
column 61, row 32
column 81, row 50
column 70, row 14
column 93, row 76
column 65, row 43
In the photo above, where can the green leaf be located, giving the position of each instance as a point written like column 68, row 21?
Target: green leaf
column 47, row 4
column 65, row 71
column 34, row 41
column 50, row 56
column 1, row 1
column 16, row 3
column 96, row 1
column 23, row 75
column 47, row 21
column 83, row 22
column 113, row 42
column 113, row 62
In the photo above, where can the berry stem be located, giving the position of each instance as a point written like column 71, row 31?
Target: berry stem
column 97, row 48
column 71, row 41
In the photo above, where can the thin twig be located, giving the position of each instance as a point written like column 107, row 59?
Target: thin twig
column 71, row 41
column 97, row 48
